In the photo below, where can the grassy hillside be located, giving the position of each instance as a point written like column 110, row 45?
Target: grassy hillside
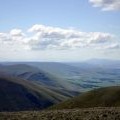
column 18, row 94
column 102, row 97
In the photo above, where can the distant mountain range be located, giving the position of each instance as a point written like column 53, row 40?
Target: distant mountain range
column 103, row 63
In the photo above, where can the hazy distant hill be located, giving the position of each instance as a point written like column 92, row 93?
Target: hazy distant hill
column 56, row 68
column 102, row 97
column 97, row 63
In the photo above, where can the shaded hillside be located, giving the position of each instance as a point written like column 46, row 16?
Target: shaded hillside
column 102, row 97
column 18, row 95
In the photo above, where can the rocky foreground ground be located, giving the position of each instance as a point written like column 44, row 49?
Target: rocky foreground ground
column 71, row 114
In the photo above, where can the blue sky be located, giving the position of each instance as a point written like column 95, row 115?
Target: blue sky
column 97, row 20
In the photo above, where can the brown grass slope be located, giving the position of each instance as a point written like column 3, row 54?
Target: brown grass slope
column 102, row 97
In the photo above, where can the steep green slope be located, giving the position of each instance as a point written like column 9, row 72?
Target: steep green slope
column 18, row 95
column 102, row 97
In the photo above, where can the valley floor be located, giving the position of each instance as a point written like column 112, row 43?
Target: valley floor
column 71, row 114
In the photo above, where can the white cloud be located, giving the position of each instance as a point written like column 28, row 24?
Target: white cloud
column 106, row 5
column 16, row 32
column 53, row 37
column 4, row 37
column 40, row 37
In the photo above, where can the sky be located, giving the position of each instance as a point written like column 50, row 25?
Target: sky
column 59, row 30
